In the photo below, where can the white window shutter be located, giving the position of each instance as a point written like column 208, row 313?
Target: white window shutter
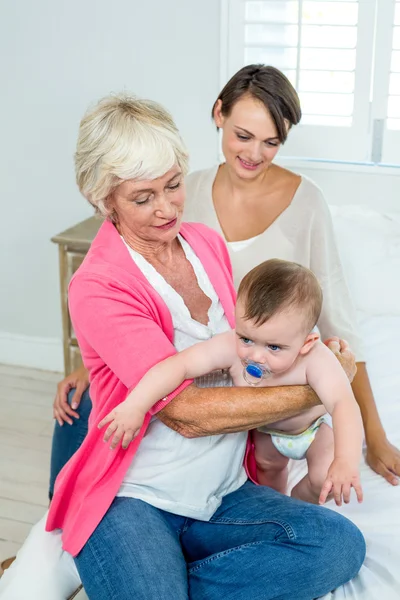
column 391, row 99
column 394, row 83
column 325, row 49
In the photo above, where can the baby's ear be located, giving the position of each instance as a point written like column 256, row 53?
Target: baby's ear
column 309, row 342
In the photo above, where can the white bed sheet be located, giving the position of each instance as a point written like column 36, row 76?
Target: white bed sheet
column 378, row 517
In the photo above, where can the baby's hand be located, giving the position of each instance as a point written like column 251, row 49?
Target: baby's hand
column 125, row 422
column 342, row 476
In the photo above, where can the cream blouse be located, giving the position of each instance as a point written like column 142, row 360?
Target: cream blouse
column 302, row 233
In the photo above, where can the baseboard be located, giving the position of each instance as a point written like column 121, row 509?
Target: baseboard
column 33, row 352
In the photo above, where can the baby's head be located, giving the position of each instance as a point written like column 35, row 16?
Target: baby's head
column 278, row 306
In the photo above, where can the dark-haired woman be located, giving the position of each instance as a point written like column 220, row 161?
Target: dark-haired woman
column 264, row 211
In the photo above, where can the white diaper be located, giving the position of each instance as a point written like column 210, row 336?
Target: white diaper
column 296, row 446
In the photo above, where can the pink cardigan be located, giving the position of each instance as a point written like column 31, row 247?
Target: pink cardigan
column 123, row 328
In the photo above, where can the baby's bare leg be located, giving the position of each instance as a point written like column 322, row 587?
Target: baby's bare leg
column 319, row 458
column 271, row 465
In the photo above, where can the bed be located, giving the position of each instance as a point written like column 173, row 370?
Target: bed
column 370, row 248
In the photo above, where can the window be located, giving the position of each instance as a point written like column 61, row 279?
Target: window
column 391, row 142
column 393, row 112
column 342, row 56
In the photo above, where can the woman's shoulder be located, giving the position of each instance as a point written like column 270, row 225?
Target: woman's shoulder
column 309, row 191
column 107, row 252
column 308, row 199
column 301, row 188
column 107, row 266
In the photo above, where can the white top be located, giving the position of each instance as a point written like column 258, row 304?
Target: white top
column 241, row 244
column 302, row 233
column 188, row 477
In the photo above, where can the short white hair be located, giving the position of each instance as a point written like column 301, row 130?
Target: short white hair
column 123, row 137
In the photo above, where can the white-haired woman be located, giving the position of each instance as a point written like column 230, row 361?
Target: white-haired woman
column 174, row 515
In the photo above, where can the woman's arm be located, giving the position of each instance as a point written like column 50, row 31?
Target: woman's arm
column 382, row 456
column 198, row 412
column 338, row 317
column 363, row 393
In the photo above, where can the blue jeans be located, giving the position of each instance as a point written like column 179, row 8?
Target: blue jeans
column 68, row 438
column 259, row 545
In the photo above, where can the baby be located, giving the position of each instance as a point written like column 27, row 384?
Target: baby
column 274, row 344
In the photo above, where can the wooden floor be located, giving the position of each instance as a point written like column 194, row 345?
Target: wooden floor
column 26, row 425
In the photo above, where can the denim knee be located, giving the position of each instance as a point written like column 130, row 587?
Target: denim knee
column 352, row 547
column 345, row 546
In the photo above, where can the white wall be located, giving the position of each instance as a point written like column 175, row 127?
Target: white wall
column 56, row 58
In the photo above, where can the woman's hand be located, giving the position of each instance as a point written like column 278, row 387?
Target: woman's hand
column 345, row 356
column 382, row 456
column 342, row 476
column 62, row 411
column 384, row 459
column 125, row 423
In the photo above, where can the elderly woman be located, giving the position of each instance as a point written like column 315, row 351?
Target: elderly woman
column 175, row 515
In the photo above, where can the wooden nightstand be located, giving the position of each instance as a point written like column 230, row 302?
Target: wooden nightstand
column 73, row 244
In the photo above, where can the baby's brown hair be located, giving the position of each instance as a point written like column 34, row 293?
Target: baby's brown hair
column 277, row 285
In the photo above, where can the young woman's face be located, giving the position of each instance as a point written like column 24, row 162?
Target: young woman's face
column 249, row 137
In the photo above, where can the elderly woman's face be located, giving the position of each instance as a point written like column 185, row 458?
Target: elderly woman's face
column 150, row 210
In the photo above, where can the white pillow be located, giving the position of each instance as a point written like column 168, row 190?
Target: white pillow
column 369, row 246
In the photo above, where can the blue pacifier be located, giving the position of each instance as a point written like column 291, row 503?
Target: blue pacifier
column 254, row 373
